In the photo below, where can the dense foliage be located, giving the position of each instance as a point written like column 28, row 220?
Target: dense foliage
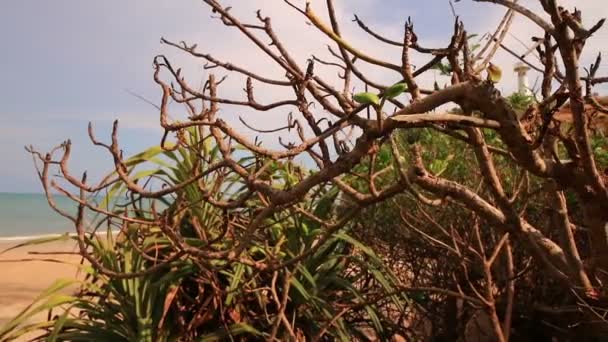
column 483, row 222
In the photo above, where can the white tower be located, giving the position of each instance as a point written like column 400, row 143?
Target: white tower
column 522, row 78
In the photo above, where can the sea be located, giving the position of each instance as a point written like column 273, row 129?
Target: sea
column 28, row 216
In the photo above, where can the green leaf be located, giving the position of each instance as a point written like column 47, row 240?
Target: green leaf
column 395, row 90
column 300, row 288
column 234, row 282
column 234, row 330
column 494, row 73
column 53, row 298
column 40, row 241
column 144, row 156
column 367, row 98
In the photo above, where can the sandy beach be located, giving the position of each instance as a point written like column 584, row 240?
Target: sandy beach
column 22, row 281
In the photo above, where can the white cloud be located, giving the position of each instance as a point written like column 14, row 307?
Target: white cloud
column 121, row 45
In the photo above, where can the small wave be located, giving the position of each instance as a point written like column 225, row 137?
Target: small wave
column 40, row 236
column 31, row 237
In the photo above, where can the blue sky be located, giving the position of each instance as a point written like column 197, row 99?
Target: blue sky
column 67, row 62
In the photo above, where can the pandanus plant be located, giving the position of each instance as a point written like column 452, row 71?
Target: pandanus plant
column 317, row 282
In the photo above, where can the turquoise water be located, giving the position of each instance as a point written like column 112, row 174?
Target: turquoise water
column 30, row 214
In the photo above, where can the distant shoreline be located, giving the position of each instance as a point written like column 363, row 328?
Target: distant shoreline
column 32, row 237
column 5, row 239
